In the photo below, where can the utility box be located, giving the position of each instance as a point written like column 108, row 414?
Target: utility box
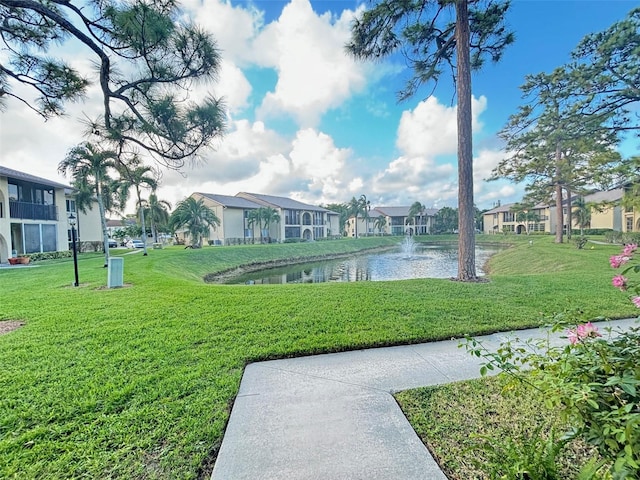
column 115, row 274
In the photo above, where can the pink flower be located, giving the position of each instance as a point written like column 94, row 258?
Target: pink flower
column 619, row 282
column 587, row 330
column 629, row 249
column 581, row 332
column 617, row 260
column 636, row 301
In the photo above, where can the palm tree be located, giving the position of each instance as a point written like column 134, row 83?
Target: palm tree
column 380, row 223
column 196, row 217
column 365, row 206
column 254, row 218
column 269, row 215
column 416, row 209
column 582, row 214
column 137, row 175
column 158, row 213
column 354, row 209
column 89, row 166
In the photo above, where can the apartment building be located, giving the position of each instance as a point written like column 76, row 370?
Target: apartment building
column 34, row 215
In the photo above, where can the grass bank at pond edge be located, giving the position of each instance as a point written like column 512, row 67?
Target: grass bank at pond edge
column 137, row 382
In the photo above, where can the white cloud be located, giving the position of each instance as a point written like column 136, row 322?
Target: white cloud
column 425, row 171
column 253, row 158
column 314, row 72
column 431, row 128
column 233, row 27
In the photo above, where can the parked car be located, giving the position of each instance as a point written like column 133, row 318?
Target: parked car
column 113, row 243
column 135, row 244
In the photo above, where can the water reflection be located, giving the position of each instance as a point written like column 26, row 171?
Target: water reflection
column 425, row 262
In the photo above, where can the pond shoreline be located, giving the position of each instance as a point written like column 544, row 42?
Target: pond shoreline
column 222, row 277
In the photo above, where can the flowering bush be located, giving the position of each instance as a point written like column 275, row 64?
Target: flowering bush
column 594, row 380
column 621, row 281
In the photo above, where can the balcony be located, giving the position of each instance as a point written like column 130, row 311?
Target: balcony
column 32, row 211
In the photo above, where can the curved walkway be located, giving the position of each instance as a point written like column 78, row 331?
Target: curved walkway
column 332, row 417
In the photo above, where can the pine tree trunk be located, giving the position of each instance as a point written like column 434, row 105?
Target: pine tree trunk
column 559, row 206
column 569, row 214
column 466, row 233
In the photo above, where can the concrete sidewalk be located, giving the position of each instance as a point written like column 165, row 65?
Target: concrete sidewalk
column 332, row 417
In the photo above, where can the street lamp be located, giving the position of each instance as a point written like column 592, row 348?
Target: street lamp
column 72, row 222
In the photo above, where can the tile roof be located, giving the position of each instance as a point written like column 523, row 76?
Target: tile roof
column 11, row 173
column 404, row 211
column 500, row 208
column 280, row 202
column 608, row 196
column 231, row 201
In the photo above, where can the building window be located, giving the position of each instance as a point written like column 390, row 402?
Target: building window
column 71, row 206
column 629, row 224
column 291, row 232
column 292, row 217
column 508, row 217
column 13, row 192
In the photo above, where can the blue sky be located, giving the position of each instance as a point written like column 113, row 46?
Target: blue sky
column 307, row 121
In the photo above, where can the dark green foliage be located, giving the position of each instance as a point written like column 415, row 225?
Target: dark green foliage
column 606, row 69
column 146, row 59
column 446, row 220
column 581, row 241
column 196, row 217
column 34, row 257
column 424, row 32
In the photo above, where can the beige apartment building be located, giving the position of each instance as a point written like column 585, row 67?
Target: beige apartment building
column 396, row 222
column 34, row 215
column 607, row 213
column 298, row 220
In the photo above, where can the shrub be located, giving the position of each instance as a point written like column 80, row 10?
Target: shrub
column 592, row 380
column 595, row 381
column 50, row 255
column 613, row 237
column 581, row 242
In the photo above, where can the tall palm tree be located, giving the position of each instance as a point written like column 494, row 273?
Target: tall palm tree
column 196, row 217
column 365, row 207
column 158, row 213
column 415, row 210
column 137, row 175
column 269, row 215
column 90, row 168
column 582, row 214
column 380, row 223
column 254, row 218
column 354, row 209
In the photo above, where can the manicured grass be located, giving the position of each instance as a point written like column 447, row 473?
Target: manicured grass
column 138, row 382
column 462, row 424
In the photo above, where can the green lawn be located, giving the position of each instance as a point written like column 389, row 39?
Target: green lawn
column 138, row 382
column 468, row 427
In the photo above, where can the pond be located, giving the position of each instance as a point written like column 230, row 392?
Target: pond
column 405, row 262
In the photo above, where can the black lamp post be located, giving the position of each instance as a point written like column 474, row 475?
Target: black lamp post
column 72, row 222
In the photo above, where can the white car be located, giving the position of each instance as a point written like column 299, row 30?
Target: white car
column 135, row 244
